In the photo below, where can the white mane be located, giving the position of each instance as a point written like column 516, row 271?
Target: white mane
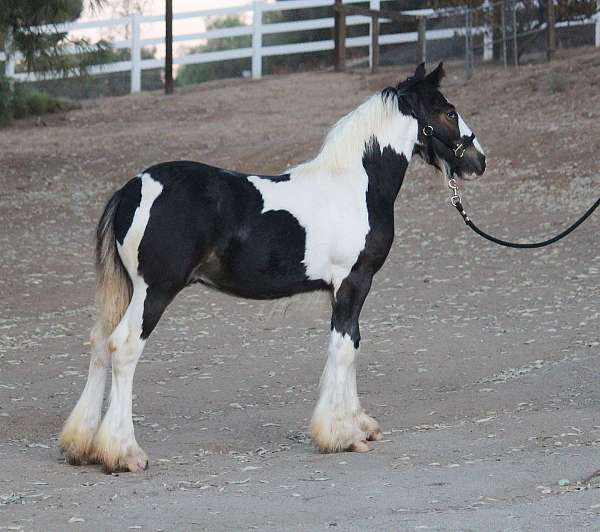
column 344, row 144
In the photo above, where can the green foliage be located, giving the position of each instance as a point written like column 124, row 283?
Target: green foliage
column 45, row 51
column 27, row 101
column 19, row 100
column 5, row 101
column 38, row 103
column 198, row 73
column 19, row 103
column 99, row 85
column 19, row 14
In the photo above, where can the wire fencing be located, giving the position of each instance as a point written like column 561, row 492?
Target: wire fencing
column 513, row 32
column 508, row 31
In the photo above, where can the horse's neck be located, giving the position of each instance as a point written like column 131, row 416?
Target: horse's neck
column 346, row 144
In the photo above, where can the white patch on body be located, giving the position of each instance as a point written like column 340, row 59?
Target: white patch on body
column 328, row 194
column 128, row 251
column 333, row 213
column 465, row 131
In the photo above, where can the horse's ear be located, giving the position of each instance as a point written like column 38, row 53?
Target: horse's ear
column 435, row 77
column 420, row 71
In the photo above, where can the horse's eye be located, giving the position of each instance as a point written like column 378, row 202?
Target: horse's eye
column 452, row 115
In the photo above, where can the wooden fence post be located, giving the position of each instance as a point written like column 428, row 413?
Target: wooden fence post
column 257, row 39
column 422, row 41
column 136, row 54
column 374, row 43
column 468, row 43
column 340, row 37
column 515, row 32
column 503, row 23
column 169, row 47
column 374, row 5
column 598, row 23
column 551, row 30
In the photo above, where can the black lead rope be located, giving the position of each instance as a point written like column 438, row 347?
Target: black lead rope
column 459, row 151
column 456, row 201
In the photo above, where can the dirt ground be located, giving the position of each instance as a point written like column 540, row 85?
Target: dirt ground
column 481, row 363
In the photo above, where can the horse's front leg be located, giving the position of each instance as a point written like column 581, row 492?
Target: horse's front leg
column 338, row 422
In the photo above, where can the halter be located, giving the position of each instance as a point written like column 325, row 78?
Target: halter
column 459, row 149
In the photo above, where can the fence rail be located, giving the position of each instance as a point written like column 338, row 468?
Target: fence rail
column 257, row 29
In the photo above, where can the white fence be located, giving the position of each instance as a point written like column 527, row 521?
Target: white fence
column 257, row 29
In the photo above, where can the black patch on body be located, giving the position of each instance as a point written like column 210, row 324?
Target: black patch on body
column 207, row 226
column 275, row 178
column 385, row 170
column 130, row 197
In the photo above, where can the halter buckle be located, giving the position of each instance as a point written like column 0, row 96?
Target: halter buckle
column 428, row 131
column 459, row 151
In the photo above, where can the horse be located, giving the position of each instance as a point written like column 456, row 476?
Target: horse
column 325, row 225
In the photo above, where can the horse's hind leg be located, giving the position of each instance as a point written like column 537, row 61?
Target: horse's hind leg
column 115, row 445
column 78, row 433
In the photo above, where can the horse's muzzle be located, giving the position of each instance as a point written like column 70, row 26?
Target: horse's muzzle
column 480, row 166
column 474, row 162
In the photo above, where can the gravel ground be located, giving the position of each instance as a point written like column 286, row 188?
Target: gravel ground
column 480, row 362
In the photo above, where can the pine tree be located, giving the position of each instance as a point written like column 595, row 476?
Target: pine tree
column 45, row 51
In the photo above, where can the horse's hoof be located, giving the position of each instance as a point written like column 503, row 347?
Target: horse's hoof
column 376, row 435
column 128, row 464
column 75, row 442
column 138, row 465
column 360, row 447
column 72, row 459
column 119, row 457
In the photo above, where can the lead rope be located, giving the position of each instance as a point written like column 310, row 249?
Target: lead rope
column 457, row 203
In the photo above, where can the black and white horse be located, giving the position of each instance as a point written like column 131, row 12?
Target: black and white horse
column 327, row 224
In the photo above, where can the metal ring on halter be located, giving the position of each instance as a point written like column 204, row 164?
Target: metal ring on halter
column 459, row 151
column 455, row 199
column 428, row 131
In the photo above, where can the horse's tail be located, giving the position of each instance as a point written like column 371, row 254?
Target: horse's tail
column 113, row 285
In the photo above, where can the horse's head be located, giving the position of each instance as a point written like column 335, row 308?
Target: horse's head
column 444, row 140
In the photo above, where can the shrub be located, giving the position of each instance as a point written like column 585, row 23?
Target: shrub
column 19, row 100
column 38, row 103
column 20, row 109
column 5, row 101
